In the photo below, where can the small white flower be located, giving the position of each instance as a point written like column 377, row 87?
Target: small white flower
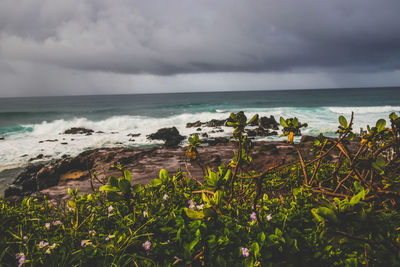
column 110, row 208
column 165, row 197
column 56, row 223
column 47, row 226
column 200, row 207
column 144, row 214
column 269, row 217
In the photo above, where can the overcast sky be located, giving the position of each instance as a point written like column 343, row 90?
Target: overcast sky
column 70, row 47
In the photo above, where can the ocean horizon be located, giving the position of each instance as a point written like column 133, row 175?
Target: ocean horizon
column 27, row 123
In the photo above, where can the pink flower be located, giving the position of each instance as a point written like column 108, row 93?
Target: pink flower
column 165, row 197
column 43, row 244
column 146, row 245
column 47, row 226
column 21, row 258
column 192, row 204
column 25, row 237
column 85, row 243
column 253, row 216
column 269, row 217
column 200, row 207
column 92, row 232
column 144, row 214
column 245, row 252
column 56, row 223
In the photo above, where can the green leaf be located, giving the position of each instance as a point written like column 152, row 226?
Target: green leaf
column 113, row 181
column 128, row 175
column 356, row 199
column 324, row 214
column 380, row 125
column 109, row 188
column 155, row 182
column 252, row 120
column 193, row 214
column 217, row 197
column 379, row 164
column 137, row 188
column 283, row 122
column 255, row 248
column 205, row 198
column 343, row 121
column 164, row 176
column 124, row 185
column 114, row 197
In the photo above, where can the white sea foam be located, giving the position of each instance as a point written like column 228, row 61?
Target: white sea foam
column 364, row 110
column 18, row 148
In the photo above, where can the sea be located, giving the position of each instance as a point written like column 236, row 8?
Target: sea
column 27, row 123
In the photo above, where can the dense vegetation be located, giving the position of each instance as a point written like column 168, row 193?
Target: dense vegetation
column 340, row 208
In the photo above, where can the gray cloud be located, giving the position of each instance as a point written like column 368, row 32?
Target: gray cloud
column 194, row 37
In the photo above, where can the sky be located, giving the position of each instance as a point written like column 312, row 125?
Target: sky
column 79, row 47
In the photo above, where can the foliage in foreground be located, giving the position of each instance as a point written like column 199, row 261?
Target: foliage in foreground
column 336, row 209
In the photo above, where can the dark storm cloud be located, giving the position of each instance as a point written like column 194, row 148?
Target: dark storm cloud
column 183, row 36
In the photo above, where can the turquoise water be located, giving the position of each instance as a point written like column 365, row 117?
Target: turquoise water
column 24, row 122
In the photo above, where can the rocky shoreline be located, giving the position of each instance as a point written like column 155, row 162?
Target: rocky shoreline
column 91, row 169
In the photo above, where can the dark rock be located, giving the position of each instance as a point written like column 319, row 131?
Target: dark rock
column 99, row 132
column 64, row 143
column 171, row 136
column 47, row 177
column 215, row 160
column 24, row 183
column 198, row 129
column 273, row 133
column 40, row 156
column 258, row 132
column 65, row 156
column 193, row 124
column 215, row 123
column 134, row 135
column 131, row 140
column 269, row 148
column 78, row 130
column 204, row 135
column 24, row 155
column 268, row 123
column 1, row 138
column 49, row 140
column 114, row 132
column 13, row 190
column 217, row 140
column 307, row 138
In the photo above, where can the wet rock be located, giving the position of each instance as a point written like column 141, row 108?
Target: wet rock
column 1, row 138
column 78, row 130
column 49, row 140
column 268, row 123
column 131, row 140
column 64, row 143
column 134, row 135
column 171, row 136
column 40, row 156
column 47, row 177
column 259, row 132
column 198, row 129
column 99, row 132
column 193, row 124
column 205, row 135
column 215, row 123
